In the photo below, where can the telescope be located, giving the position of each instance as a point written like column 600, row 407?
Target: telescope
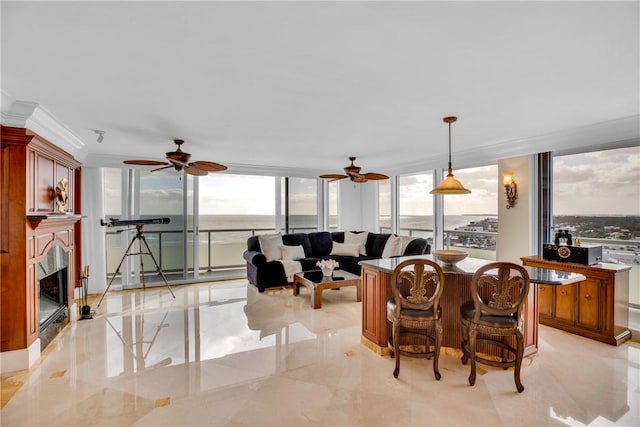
column 114, row 222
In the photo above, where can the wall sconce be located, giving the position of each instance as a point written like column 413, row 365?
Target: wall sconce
column 510, row 189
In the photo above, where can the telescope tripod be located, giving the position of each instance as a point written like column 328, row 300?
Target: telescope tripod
column 141, row 239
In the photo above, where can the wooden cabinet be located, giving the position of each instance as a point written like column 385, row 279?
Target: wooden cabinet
column 596, row 308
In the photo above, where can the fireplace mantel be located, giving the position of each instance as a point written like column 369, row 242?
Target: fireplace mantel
column 52, row 220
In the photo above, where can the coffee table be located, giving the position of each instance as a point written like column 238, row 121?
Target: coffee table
column 316, row 282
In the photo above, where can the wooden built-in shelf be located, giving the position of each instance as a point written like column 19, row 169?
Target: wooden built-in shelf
column 35, row 220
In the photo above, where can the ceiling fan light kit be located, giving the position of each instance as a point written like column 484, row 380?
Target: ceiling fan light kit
column 179, row 160
column 353, row 173
column 450, row 185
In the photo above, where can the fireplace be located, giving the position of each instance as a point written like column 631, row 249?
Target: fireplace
column 53, row 299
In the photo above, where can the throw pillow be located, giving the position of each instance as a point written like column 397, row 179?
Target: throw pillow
column 345, row 249
column 392, row 247
column 270, row 246
column 292, row 252
column 357, row 238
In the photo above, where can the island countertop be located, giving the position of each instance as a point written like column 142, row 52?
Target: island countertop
column 469, row 265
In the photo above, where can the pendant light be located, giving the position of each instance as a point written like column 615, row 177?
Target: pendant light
column 450, row 185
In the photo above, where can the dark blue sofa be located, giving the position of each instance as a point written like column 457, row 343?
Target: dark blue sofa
column 317, row 246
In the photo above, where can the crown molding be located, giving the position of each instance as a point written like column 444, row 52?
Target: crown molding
column 36, row 118
column 108, row 160
column 599, row 136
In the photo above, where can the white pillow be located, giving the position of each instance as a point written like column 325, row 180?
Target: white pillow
column 292, row 252
column 345, row 249
column 392, row 247
column 270, row 246
column 357, row 238
column 404, row 242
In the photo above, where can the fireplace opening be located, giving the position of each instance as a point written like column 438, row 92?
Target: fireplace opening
column 53, row 279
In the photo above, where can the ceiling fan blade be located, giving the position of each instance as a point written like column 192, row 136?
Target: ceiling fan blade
column 162, row 168
column 358, row 178
column 375, row 176
column 208, row 166
column 333, row 176
column 145, row 162
column 195, row 171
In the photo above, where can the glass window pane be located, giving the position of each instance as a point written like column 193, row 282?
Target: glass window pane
column 415, row 205
column 384, row 206
column 303, row 205
column 471, row 220
column 233, row 208
column 333, row 205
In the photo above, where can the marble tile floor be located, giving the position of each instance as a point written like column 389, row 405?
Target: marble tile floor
column 222, row 354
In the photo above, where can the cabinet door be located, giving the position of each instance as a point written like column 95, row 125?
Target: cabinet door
column 565, row 303
column 371, row 295
column 589, row 304
column 545, row 300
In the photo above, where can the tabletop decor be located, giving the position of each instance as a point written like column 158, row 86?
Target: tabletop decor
column 327, row 266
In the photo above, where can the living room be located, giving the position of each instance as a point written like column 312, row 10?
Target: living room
column 288, row 92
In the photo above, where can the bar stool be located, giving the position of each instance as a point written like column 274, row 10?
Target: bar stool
column 415, row 311
column 499, row 291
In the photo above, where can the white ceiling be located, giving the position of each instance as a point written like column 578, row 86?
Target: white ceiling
column 307, row 84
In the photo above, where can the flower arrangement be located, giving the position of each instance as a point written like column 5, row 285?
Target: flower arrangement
column 327, row 266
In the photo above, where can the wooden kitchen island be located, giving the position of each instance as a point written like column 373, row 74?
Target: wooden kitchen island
column 376, row 290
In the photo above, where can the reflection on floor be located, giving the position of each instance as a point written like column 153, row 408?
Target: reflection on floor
column 224, row 354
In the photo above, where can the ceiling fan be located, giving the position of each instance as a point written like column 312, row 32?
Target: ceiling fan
column 180, row 160
column 353, row 173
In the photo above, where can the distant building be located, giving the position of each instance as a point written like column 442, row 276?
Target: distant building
column 474, row 228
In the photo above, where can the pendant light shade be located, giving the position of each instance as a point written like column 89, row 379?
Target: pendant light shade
column 450, row 185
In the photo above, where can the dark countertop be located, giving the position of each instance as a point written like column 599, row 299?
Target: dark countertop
column 469, row 265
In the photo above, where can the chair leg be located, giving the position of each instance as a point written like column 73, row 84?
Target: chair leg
column 436, row 355
column 464, row 343
column 396, row 346
column 472, row 353
column 519, row 356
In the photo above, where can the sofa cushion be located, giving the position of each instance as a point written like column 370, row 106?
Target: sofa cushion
column 321, row 243
column 296, row 239
column 345, row 249
column 378, row 245
column 270, row 246
column 359, row 238
column 292, row 252
column 392, row 247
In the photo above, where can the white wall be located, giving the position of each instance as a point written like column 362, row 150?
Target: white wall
column 358, row 206
column 515, row 225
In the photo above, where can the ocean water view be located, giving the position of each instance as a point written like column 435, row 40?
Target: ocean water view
column 223, row 238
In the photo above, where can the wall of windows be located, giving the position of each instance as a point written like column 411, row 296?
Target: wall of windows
column 596, row 195
column 210, row 221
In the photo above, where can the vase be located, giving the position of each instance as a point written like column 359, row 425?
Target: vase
column 327, row 271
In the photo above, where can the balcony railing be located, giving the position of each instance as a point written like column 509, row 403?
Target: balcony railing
column 222, row 249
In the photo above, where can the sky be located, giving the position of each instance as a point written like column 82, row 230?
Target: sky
column 598, row 183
